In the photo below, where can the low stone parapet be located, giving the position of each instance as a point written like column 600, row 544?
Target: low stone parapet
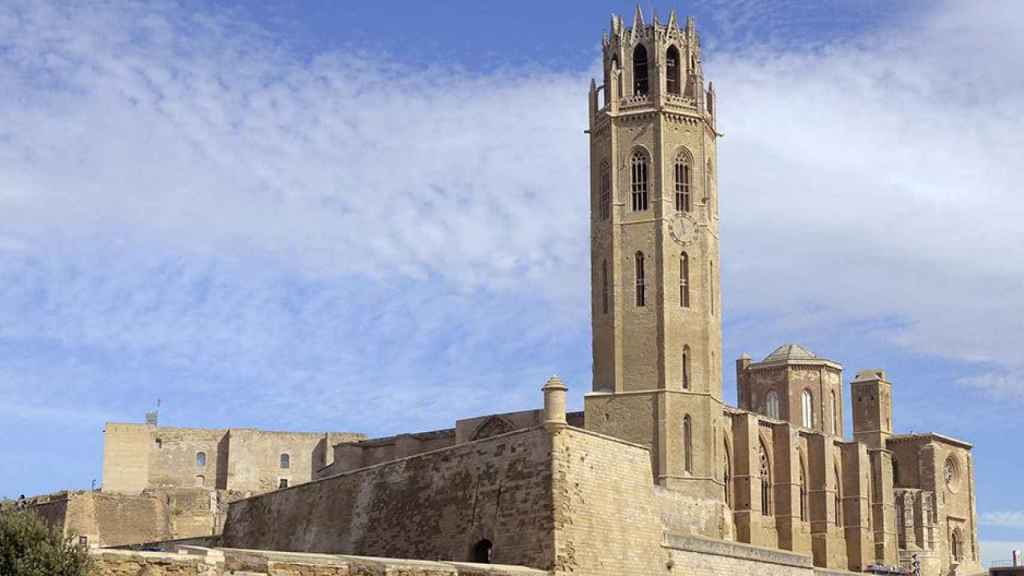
column 198, row 561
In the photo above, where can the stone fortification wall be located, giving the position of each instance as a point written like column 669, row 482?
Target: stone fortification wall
column 354, row 455
column 123, row 519
column 692, row 555
column 195, row 561
column 138, row 457
column 606, row 515
column 437, row 505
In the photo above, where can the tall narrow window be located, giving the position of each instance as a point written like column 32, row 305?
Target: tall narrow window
column 200, row 459
column 684, row 280
column 640, row 287
column 687, row 445
column 605, row 210
column 604, row 286
column 683, row 180
column 727, row 475
column 711, row 286
column 835, row 415
column 639, row 70
column 686, row 367
column 803, row 491
column 672, row 70
column 709, row 194
column 807, row 409
column 638, row 181
column 766, row 483
column 771, row 404
column 955, row 545
column 286, row 461
column 839, row 500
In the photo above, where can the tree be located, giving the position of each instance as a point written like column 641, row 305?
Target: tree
column 30, row 548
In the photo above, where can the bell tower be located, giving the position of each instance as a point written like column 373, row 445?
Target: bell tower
column 655, row 300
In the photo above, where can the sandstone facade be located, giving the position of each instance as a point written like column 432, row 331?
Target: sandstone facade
column 657, row 476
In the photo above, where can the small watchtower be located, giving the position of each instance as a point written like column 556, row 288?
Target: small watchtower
column 871, row 394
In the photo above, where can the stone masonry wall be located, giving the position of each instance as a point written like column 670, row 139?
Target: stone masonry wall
column 436, row 505
column 606, row 515
column 704, row 557
column 195, row 561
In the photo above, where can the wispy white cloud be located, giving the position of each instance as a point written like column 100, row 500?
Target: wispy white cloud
column 190, row 210
column 998, row 552
column 1008, row 519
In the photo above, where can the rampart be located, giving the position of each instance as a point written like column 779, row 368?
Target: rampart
column 437, row 505
column 138, row 457
column 196, row 561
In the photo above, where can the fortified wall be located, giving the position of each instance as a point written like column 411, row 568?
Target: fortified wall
column 138, row 457
column 101, row 519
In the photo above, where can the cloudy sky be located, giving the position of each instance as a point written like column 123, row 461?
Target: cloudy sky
column 373, row 216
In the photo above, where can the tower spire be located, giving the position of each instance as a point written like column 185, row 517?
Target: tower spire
column 638, row 22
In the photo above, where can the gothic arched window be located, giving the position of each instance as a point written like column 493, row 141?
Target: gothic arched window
column 200, row 459
column 835, row 414
column 683, row 180
column 727, row 474
column 709, row 193
column 684, row 280
column 839, row 499
column 672, row 70
column 604, row 286
column 638, row 181
column 807, row 409
column 766, row 483
column 605, row 200
column 639, row 70
column 686, row 367
column 771, row 404
column 640, row 287
column 286, row 461
column 711, row 287
column 687, row 444
column 803, row 490
column 956, row 545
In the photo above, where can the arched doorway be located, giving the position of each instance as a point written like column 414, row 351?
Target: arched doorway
column 482, row 551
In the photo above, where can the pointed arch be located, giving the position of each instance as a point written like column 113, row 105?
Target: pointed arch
column 839, row 498
column 684, row 280
column 687, row 444
column 638, row 180
column 686, row 367
column 683, row 181
column 605, row 199
column 673, row 80
column 639, row 70
column 709, row 193
column 835, row 414
column 604, row 286
column 807, row 409
column 641, row 296
column 956, row 540
column 803, row 488
column 711, row 287
column 493, row 426
column 771, row 404
column 766, row 481
column 727, row 471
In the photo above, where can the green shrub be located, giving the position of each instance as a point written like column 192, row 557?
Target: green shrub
column 29, row 548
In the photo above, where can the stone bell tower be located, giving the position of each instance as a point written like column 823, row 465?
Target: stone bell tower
column 655, row 301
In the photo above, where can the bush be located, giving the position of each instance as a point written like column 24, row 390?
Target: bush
column 29, row 548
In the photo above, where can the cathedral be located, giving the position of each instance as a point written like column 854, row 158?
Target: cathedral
column 657, row 475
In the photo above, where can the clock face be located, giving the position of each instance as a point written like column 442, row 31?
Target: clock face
column 682, row 229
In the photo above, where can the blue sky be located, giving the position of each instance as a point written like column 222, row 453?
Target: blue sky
column 373, row 216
